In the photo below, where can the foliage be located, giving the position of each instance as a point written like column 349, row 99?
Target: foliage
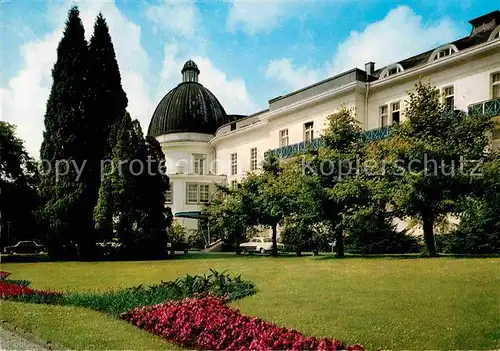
column 209, row 324
column 424, row 176
column 372, row 232
column 228, row 214
column 335, row 165
column 18, row 180
column 116, row 302
column 132, row 199
column 65, row 213
column 478, row 231
column 176, row 234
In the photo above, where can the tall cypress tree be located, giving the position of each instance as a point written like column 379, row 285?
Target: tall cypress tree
column 105, row 105
column 64, row 140
column 107, row 101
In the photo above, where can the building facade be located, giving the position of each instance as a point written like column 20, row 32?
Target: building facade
column 203, row 145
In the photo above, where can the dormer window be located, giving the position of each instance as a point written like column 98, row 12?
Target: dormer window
column 442, row 52
column 391, row 70
column 495, row 34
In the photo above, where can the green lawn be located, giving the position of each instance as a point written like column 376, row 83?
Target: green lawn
column 442, row 303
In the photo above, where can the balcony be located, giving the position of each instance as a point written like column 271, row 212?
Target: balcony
column 295, row 149
column 488, row 108
column 299, row 148
column 376, row 134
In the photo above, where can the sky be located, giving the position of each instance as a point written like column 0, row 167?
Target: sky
column 248, row 52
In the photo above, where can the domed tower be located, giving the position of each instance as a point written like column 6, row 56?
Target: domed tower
column 184, row 122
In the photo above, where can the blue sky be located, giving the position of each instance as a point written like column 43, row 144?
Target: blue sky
column 248, row 51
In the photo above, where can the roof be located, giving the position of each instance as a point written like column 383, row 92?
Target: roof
column 477, row 37
column 188, row 108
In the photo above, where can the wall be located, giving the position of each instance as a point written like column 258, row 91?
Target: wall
column 471, row 80
column 264, row 135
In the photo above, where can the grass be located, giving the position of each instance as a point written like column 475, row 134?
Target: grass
column 391, row 303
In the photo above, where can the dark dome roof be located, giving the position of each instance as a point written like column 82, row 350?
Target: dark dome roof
column 190, row 65
column 189, row 107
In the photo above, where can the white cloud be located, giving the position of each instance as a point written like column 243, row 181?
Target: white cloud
column 180, row 17
column 257, row 15
column 401, row 34
column 24, row 98
column 294, row 77
column 231, row 92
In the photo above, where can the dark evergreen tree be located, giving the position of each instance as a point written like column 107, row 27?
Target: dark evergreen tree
column 131, row 202
column 105, row 104
column 64, row 142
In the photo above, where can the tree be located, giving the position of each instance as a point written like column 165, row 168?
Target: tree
column 428, row 160
column 228, row 214
column 63, row 150
column 131, row 201
column 18, row 181
column 336, row 165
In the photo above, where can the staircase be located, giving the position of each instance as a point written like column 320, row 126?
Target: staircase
column 216, row 246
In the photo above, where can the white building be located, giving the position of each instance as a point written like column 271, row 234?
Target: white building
column 203, row 145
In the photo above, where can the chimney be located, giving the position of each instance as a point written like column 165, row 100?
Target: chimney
column 370, row 67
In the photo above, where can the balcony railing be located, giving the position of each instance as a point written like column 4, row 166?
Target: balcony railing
column 295, row 149
column 376, row 134
column 488, row 108
column 299, row 148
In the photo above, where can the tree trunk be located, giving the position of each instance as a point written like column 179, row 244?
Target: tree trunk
column 428, row 226
column 274, row 251
column 339, row 242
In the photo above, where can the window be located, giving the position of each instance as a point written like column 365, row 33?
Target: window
column 391, row 70
column 308, row 131
column 234, row 183
column 443, row 51
column 395, row 112
column 283, row 137
column 253, row 159
column 268, row 240
column 192, row 193
column 383, row 116
column 449, row 97
column 169, row 194
column 495, row 85
column 495, row 34
column 234, row 164
column 198, row 193
column 233, row 126
column 199, row 164
column 204, row 192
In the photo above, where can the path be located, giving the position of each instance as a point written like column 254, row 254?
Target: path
column 12, row 341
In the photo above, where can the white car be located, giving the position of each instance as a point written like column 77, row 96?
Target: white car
column 260, row 244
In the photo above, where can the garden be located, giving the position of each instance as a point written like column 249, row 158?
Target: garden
column 228, row 302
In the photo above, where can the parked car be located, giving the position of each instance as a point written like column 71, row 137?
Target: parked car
column 259, row 244
column 25, row 247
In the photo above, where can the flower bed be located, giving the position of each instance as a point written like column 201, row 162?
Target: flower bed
column 13, row 291
column 208, row 323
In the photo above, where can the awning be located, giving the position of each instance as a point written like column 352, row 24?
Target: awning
column 189, row 214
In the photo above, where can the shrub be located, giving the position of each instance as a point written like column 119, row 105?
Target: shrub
column 372, row 232
column 116, row 302
column 209, row 324
column 477, row 233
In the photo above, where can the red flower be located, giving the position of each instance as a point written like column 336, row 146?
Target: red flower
column 12, row 290
column 4, row 275
column 208, row 324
